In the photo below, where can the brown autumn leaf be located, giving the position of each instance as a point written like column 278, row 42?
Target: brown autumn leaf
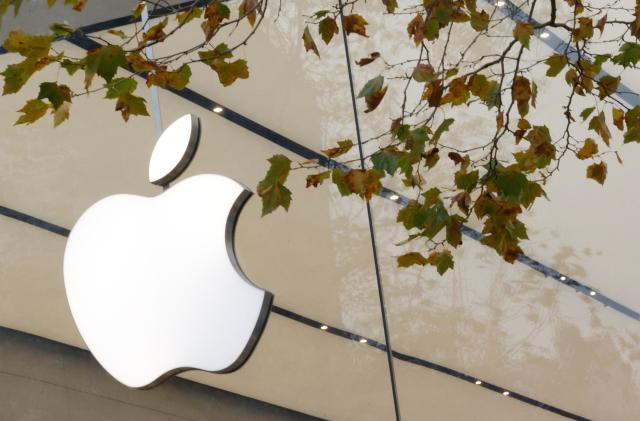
column 597, row 172
column 589, row 149
column 367, row 60
column 309, row 43
column 618, row 118
column 355, row 24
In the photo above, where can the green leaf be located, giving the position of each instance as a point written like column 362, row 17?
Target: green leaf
column 271, row 189
column 556, row 63
column 373, row 92
column 190, row 14
column 338, row 178
column 56, row 94
column 327, row 28
column 120, row 86
column 371, row 87
column 16, row 75
column 629, row 55
column 423, row 73
column 443, row 127
column 33, row 110
column 523, row 32
column 586, row 113
column 442, row 260
column 480, row 21
column 388, row 160
column 410, row 259
column 105, row 62
column 129, row 105
column 599, row 125
column 30, row 46
column 61, row 29
column 608, row 85
column 632, row 119
column 467, row 181
column 597, row 172
column 228, row 72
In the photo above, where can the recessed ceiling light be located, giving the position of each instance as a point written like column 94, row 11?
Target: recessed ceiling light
column 218, row 109
column 394, row 197
column 363, row 341
column 505, row 393
column 563, row 278
column 500, row 3
column 324, row 327
column 478, row 382
column 545, row 34
column 592, row 293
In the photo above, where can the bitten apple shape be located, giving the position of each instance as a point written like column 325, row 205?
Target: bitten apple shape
column 154, row 285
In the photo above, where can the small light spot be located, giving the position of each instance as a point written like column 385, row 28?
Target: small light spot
column 324, row 327
column 592, row 293
column 394, row 197
column 363, row 341
column 563, row 278
column 545, row 35
column 218, row 109
column 500, row 3
column 478, row 382
column 505, row 393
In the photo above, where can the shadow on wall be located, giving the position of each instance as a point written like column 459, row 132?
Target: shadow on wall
column 42, row 380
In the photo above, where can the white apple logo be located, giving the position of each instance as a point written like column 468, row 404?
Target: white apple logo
column 153, row 283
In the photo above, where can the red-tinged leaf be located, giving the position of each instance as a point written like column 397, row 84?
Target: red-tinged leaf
column 214, row 14
column 415, row 29
column 249, row 8
column 601, row 22
column 374, row 100
column 317, row 179
column 309, row 43
column 597, row 172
